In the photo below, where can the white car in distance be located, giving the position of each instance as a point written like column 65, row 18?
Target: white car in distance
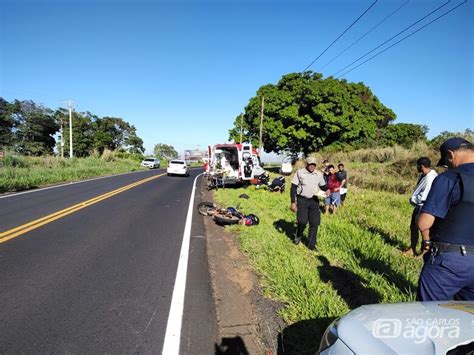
column 177, row 167
column 151, row 163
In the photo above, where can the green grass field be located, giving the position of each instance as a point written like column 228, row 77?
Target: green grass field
column 20, row 173
column 360, row 259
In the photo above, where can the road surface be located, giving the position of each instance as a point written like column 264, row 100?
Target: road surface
column 94, row 272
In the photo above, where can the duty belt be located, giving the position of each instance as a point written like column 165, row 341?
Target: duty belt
column 439, row 248
column 307, row 198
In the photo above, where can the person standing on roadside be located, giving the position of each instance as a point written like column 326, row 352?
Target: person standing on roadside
column 422, row 189
column 305, row 184
column 446, row 223
column 325, row 169
column 333, row 200
column 342, row 177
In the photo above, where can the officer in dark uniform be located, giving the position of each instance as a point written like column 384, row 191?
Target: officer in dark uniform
column 304, row 186
column 446, row 223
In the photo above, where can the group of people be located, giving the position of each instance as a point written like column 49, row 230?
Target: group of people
column 443, row 213
column 337, row 186
column 307, row 185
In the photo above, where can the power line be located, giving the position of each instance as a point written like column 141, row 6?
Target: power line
column 411, row 34
column 388, row 40
column 347, row 29
column 365, row 34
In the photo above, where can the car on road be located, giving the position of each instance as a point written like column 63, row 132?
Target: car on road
column 440, row 327
column 286, row 167
column 151, row 163
column 178, row 167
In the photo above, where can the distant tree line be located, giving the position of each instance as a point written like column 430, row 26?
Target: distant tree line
column 30, row 129
column 305, row 112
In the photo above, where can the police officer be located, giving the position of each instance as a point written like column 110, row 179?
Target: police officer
column 305, row 184
column 446, row 223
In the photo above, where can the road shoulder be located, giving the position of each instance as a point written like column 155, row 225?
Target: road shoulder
column 247, row 323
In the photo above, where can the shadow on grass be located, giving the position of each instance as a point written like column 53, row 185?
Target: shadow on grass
column 302, row 337
column 284, row 226
column 387, row 238
column 380, row 267
column 348, row 285
column 231, row 346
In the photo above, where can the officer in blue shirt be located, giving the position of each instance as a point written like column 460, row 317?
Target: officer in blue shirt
column 446, row 223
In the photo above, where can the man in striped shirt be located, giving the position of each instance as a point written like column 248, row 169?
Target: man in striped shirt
column 423, row 186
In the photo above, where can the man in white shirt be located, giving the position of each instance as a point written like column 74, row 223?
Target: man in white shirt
column 423, row 186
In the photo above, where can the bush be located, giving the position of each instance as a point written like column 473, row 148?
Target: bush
column 12, row 161
column 108, row 155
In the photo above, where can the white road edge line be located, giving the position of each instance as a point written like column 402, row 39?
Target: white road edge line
column 175, row 317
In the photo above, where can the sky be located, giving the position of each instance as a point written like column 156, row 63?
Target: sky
column 181, row 71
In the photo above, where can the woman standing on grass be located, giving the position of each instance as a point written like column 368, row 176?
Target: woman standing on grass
column 334, row 186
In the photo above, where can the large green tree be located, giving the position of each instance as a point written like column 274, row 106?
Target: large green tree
column 165, row 151
column 133, row 142
column 304, row 112
column 7, row 123
column 115, row 133
column 35, row 128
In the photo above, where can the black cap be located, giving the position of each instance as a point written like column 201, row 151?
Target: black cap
column 451, row 144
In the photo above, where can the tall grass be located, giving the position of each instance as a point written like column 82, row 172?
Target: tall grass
column 390, row 169
column 361, row 259
column 20, row 172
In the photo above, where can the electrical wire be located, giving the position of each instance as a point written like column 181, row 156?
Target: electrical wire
column 365, row 34
column 347, row 29
column 411, row 34
column 388, row 40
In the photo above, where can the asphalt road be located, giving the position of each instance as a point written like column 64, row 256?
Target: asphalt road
column 100, row 280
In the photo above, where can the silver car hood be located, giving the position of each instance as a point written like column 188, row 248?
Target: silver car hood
column 408, row 328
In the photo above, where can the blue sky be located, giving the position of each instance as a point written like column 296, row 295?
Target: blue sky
column 181, row 71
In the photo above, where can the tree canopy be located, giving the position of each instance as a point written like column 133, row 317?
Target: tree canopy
column 304, row 112
column 436, row 142
column 30, row 129
column 165, row 151
column 34, row 126
column 403, row 134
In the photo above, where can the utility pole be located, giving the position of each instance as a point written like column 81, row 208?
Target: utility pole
column 62, row 139
column 71, row 155
column 261, row 126
column 241, row 126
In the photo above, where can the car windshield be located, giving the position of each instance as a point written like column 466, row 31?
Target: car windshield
column 149, row 160
column 177, row 162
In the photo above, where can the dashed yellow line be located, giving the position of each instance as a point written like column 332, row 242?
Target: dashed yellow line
column 17, row 231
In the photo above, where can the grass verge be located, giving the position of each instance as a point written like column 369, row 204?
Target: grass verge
column 31, row 172
column 360, row 259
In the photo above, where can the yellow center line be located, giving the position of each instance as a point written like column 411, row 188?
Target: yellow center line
column 17, row 231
